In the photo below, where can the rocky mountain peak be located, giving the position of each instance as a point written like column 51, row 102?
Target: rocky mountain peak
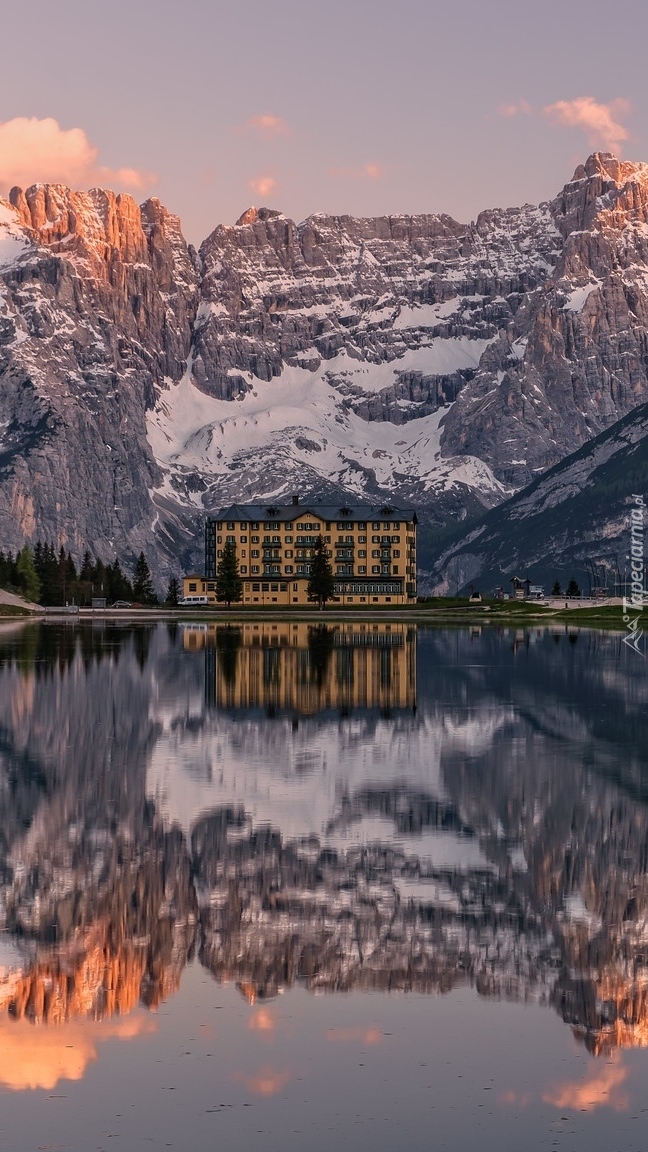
column 91, row 225
column 608, row 166
column 252, row 214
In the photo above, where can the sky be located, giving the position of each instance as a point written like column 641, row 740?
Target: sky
column 344, row 107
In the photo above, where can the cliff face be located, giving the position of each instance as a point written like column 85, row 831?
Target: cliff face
column 95, row 312
column 584, row 337
column 442, row 364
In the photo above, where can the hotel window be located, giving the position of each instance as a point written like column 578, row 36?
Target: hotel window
column 295, row 587
column 254, row 526
column 376, row 568
column 289, row 569
column 230, row 523
column 219, row 525
column 243, row 568
column 289, row 539
column 219, row 553
column 210, row 587
column 375, row 552
column 254, row 540
column 230, row 540
column 193, row 587
column 362, row 525
column 288, row 553
column 362, row 539
column 265, row 587
column 255, row 567
column 362, row 568
column 243, row 539
column 375, row 539
column 219, row 539
column 255, row 588
column 396, row 525
column 395, row 569
column 362, row 551
column 396, row 553
column 375, row 525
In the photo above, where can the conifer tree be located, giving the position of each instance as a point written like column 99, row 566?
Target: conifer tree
column 321, row 585
column 27, row 578
column 556, row 590
column 572, row 588
column 229, row 586
column 173, row 593
column 143, row 590
column 87, row 571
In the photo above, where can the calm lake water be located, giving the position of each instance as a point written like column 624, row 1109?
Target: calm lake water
column 362, row 888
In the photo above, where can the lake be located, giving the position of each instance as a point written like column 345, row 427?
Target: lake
column 368, row 886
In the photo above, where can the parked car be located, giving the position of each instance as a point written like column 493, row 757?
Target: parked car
column 122, row 604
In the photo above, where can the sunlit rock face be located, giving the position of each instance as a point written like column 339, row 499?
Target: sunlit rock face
column 438, row 363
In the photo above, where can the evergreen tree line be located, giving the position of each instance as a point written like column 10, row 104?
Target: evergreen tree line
column 51, row 578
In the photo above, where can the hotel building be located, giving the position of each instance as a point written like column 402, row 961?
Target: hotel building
column 303, row 669
column 371, row 549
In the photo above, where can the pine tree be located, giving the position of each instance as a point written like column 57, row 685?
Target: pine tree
column 229, row 586
column 143, row 590
column 320, row 648
column 28, row 581
column 117, row 584
column 556, row 590
column 572, row 588
column 321, row 585
column 87, row 570
column 173, row 593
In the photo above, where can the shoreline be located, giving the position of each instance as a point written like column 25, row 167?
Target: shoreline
column 517, row 614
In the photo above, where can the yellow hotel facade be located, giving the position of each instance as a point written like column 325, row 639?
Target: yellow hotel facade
column 371, row 549
column 305, row 669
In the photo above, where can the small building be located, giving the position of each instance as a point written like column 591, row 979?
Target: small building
column 198, row 590
column 371, row 549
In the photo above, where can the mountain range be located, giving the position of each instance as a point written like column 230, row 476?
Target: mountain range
column 447, row 366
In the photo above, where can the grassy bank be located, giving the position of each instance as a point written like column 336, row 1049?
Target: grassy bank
column 12, row 610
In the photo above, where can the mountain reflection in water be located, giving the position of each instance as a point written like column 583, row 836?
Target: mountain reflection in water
column 340, row 807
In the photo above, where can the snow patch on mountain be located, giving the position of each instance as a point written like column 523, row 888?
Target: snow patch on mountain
column 13, row 239
column 301, row 417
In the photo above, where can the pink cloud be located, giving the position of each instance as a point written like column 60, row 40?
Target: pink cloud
column 263, row 1020
column 600, row 122
column 517, row 108
column 364, row 172
column 33, row 150
column 263, row 185
column 368, row 1036
column 267, row 1083
column 601, row 1088
column 266, row 125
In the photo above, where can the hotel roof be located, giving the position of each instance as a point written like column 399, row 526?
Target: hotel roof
column 327, row 512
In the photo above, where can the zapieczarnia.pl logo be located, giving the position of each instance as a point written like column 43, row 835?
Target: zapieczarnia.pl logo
column 633, row 606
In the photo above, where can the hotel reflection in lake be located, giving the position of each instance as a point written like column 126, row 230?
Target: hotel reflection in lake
column 305, row 668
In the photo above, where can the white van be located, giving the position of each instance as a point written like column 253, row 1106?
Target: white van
column 193, row 601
